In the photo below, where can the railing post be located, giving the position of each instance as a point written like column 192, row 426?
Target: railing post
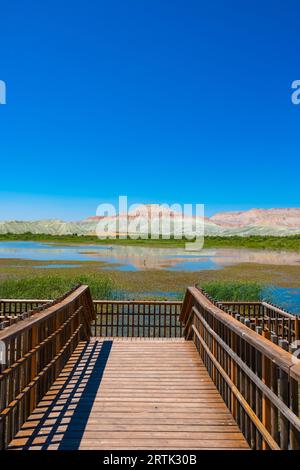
column 258, row 404
column 274, row 388
column 294, row 405
column 214, row 351
column 58, row 342
column 233, row 374
column 266, row 378
column 2, row 406
column 33, row 368
column 297, row 328
column 284, row 395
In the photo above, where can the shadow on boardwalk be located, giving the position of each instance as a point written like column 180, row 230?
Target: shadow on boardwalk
column 59, row 420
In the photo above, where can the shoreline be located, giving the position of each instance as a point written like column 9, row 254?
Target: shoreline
column 289, row 243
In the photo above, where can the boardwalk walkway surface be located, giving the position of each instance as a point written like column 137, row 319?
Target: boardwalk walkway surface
column 132, row 394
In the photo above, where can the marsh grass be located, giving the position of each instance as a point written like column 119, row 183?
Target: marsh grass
column 234, row 291
column 103, row 287
column 52, row 286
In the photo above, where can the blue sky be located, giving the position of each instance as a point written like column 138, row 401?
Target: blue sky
column 163, row 101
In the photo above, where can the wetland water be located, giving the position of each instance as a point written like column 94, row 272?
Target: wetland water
column 135, row 258
column 143, row 258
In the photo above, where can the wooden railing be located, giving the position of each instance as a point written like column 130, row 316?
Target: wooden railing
column 281, row 324
column 258, row 380
column 266, row 317
column 137, row 318
column 153, row 319
column 17, row 306
column 257, row 309
column 147, row 319
column 35, row 350
column 15, row 310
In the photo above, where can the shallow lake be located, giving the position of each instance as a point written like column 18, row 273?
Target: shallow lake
column 143, row 258
column 147, row 258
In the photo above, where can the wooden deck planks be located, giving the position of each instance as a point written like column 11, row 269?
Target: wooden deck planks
column 132, row 394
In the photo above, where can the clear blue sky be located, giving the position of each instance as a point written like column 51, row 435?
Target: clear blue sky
column 163, row 101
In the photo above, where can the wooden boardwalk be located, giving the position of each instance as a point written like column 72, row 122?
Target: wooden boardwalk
column 132, row 394
column 163, row 375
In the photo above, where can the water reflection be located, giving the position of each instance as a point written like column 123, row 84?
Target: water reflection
column 146, row 258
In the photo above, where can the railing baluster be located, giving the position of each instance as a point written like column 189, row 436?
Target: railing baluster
column 266, row 378
column 284, row 395
column 274, row 388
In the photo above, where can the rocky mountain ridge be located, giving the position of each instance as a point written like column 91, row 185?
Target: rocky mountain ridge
column 279, row 222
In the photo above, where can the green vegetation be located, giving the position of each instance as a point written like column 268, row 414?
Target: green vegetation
column 52, row 286
column 163, row 284
column 257, row 242
column 89, row 239
column 234, row 291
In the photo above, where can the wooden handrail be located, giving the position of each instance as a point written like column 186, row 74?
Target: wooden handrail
column 139, row 302
column 272, row 351
column 258, row 380
column 37, row 348
column 262, row 303
column 280, row 323
column 24, row 301
column 100, row 301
